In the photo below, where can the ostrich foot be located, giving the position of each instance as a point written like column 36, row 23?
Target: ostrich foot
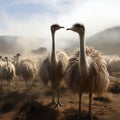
column 52, row 104
column 89, row 116
column 59, row 104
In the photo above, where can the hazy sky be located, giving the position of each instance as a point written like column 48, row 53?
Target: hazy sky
column 34, row 17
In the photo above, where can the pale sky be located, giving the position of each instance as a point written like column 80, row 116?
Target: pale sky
column 34, row 17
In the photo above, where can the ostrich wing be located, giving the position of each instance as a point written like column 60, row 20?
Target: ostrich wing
column 27, row 69
column 72, row 76
column 45, row 70
column 98, row 76
column 61, row 59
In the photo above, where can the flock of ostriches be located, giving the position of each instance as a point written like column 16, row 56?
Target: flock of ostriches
column 84, row 71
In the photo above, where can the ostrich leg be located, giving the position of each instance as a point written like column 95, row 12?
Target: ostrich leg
column 58, row 98
column 79, row 110
column 90, row 102
column 53, row 96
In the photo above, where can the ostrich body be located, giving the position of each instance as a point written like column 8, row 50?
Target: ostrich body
column 53, row 67
column 86, row 70
column 26, row 69
column 7, row 71
column 113, row 67
column 17, row 64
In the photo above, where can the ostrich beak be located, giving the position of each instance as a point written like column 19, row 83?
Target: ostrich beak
column 69, row 29
column 61, row 27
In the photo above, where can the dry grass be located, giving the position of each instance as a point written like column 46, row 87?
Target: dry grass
column 33, row 103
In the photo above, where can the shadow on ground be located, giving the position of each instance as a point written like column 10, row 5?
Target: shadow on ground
column 36, row 111
column 10, row 100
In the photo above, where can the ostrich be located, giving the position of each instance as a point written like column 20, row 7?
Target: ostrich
column 53, row 67
column 7, row 71
column 86, row 70
column 16, row 58
column 114, row 67
column 17, row 64
column 0, row 57
column 25, row 68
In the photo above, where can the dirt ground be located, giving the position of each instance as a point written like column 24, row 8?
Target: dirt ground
column 33, row 103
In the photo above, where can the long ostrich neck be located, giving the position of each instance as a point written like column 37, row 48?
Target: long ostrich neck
column 83, row 61
column 17, row 60
column 7, row 61
column 53, row 59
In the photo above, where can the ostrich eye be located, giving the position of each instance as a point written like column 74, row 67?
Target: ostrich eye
column 55, row 26
column 82, row 29
column 79, row 26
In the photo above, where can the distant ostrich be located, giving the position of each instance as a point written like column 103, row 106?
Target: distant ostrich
column 16, row 58
column 7, row 71
column 86, row 70
column 114, row 67
column 53, row 67
column 26, row 69
column 17, row 64
column 0, row 57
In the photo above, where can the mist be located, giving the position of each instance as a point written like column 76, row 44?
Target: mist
column 107, row 41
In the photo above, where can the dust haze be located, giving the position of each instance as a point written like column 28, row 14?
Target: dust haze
column 107, row 41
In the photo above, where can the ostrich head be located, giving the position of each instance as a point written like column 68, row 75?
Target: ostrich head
column 17, row 57
column 18, row 54
column 55, row 27
column 79, row 28
column 6, row 58
column 0, row 57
